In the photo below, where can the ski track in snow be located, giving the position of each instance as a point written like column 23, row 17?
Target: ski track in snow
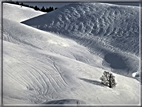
column 63, row 67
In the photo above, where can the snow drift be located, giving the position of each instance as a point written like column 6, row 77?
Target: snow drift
column 64, row 67
column 113, row 25
column 111, row 31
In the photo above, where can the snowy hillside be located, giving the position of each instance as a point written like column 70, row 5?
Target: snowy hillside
column 63, row 63
column 114, row 25
column 21, row 14
column 109, row 31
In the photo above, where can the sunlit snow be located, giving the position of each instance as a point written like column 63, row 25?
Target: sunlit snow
column 59, row 57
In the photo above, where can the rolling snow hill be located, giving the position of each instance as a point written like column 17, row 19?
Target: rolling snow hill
column 61, row 62
column 113, row 25
column 112, row 31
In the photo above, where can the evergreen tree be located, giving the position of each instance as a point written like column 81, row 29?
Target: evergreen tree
column 36, row 8
column 21, row 4
column 108, row 79
column 26, row 5
column 17, row 2
column 10, row 1
column 56, row 8
column 47, row 9
column 43, row 9
column 51, row 9
column 31, row 6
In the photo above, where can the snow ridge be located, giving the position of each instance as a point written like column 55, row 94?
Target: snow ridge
column 113, row 25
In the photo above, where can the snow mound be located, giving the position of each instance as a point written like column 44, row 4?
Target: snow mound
column 135, row 74
column 112, row 31
column 113, row 25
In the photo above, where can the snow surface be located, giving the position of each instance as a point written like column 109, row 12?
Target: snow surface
column 113, row 25
column 63, row 63
column 109, row 31
column 21, row 14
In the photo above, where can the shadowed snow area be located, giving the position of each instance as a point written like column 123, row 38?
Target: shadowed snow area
column 111, row 31
column 65, row 101
column 111, row 24
column 61, row 62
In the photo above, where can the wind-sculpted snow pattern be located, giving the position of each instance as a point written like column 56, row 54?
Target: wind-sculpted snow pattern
column 104, row 29
column 61, row 62
column 93, row 22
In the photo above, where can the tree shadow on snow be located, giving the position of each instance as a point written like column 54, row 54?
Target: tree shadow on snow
column 92, row 82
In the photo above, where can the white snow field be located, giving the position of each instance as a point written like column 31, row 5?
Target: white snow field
column 59, row 57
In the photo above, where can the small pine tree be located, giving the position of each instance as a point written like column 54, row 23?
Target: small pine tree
column 31, row 6
column 108, row 79
column 17, row 3
column 47, row 9
column 56, row 8
column 51, row 9
column 21, row 4
column 43, row 9
column 27, row 5
column 36, row 8
column 10, row 1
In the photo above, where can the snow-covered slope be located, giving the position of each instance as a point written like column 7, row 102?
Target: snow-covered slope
column 44, row 68
column 113, row 25
column 112, row 31
column 21, row 10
